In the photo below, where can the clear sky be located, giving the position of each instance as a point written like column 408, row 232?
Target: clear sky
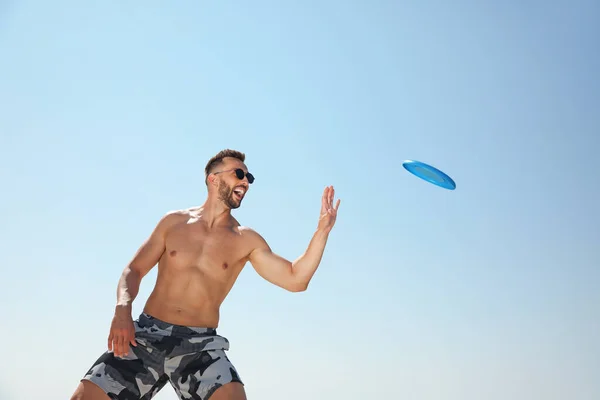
column 109, row 111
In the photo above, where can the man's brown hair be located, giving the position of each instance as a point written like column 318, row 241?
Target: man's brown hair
column 217, row 159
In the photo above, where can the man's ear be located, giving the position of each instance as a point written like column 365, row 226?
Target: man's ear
column 212, row 179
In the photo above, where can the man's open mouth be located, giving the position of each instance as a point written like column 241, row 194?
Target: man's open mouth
column 239, row 192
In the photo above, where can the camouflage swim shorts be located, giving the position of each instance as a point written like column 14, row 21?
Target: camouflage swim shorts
column 192, row 359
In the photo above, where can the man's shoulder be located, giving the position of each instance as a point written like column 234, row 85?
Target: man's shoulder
column 254, row 238
column 172, row 214
column 247, row 231
column 172, row 217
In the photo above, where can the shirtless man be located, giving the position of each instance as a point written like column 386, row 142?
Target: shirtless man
column 200, row 253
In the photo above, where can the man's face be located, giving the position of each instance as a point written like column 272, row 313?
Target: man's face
column 231, row 189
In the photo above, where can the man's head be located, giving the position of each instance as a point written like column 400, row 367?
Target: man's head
column 226, row 175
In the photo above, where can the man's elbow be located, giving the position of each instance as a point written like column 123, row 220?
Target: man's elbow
column 297, row 287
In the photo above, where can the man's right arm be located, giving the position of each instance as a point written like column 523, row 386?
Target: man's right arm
column 122, row 332
column 146, row 257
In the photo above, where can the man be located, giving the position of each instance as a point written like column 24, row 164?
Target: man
column 200, row 253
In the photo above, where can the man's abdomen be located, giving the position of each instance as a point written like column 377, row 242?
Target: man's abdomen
column 186, row 300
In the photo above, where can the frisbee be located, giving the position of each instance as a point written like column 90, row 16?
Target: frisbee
column 429, row 173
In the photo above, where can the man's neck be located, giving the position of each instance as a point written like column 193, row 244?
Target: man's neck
column 213, row 212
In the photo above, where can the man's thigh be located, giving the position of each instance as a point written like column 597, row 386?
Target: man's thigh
column 229, row 391
column 87, row 390
column 203, row 375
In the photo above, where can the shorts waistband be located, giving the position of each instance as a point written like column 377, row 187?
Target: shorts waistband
column 148, row 321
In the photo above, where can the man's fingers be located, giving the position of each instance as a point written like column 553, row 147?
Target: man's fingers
column 124, row 345
column 121, row 344
column 327, row 200
column 125, row 349
column 116, row 345
column 324, row 200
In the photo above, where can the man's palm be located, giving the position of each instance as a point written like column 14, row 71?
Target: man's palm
column 328, row 211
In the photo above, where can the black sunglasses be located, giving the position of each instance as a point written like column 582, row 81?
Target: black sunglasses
column 239, row 173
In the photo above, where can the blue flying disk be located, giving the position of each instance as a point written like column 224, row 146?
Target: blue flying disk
column 429, row 174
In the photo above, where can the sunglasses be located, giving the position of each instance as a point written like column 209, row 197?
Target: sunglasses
column 239, row 173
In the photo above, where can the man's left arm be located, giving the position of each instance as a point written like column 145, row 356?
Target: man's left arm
column 295, row 276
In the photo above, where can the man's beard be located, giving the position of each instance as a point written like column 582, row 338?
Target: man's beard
column 226, row 196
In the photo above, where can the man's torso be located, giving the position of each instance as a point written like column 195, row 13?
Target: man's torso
column 197, row 269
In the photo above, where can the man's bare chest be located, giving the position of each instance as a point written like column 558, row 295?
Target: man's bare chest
column 193, row 245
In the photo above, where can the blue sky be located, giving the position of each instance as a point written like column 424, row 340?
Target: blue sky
column 111, row 109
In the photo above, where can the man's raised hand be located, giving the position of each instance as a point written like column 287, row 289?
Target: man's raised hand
column 328, row 211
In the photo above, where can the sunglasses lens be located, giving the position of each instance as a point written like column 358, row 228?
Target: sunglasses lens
column 240, row 175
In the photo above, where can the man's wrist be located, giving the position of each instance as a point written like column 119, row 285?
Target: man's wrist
column 322, row 232
column 123, row 307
